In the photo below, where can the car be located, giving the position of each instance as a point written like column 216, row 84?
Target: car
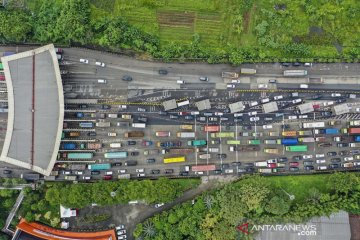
column 230, row 86
column 325, row 144
column 82, row 60
column 121, row 232
column 309, row 168
column 285, row 64
column 285, row 126
column 162, row 113
column 155, row 171
column 142, row 119
column 105, row 106
column 7, row 171
column 131, row 142
column 221, row 155
column 344, row 153
column 78, row 172
column 282, row 159
column 303, row 116
column 326, row 114
column 224, row 119
column 101, row 64
column 307, row 156
column 121, row 226
column 82, row 106
column 134, row 153
column 338, row 139
column 182, row 113
column 127, row 78
column 262, row 86
column 307, row 64
column 213, row 119
column 116, row 164
column 159, row 205
column 296, row 64
column 95, row 172
column 304, row 86
column 183, row 173
column 278, row 97
column 306, row 163
column 252, row 113
column 205, row 79
column 265, row 100
column 238, row 114
column 331, row 154
column 254, row 103
column 236, row 120
column 271, row 160
column 174, row 116
column 336, row 95
column 236, row 163
column 201, row 119
column 267, row 126
column 217, row 171
column 293, row 164
column 335, row 160
column 163, row 71
column 146, row 143
column 296, row 158
column 219, row 114
column 292, row 117
column 320, row 161
column 271, row 165
column 342, row 145
column 150, row 160
column 320, row 155
column 334, row 165
column 253, row 119
column 246, row 127
column 272, row 80
column 121, row 237
column 225, row 165
column 215, row 141
column 189, row 117
column 298, row 100
column 293, row 169
column 348, row 158
column 139, row 170
column 91, row 134
column 169, row 171
column 340, row 100
column 250, row 170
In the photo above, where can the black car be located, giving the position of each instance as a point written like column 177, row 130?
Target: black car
column 326, row 144
column 296, row 64
column 296, row 158
column 344, row 153
column 331, row 154
column 226, row 110
column 336, row 160
column 82, row 106
column 342, row 145
column 309, row 168
column 168, row 171
column 285, row 64
column 104, row 106
column 156, row 171
column 250, row 169
column 127, row 78
column 249, row 164
column 334, row 165
column 174, row 117
column 184, row 173
column 142, row 119
column 236, row 163
column 163, row 71
column 215, row 141
column 308, row 163
column 225, row 165
column 325, row 114
column 316, row 96
column 340, row 100
column 282, row 159
column 116, row 164
column 150, row 160
column 7, row 171
column 189, row 117
column 239, row 119
column 131, row 142
column 217, row 171
column 293, row 169
column 134, row 153
column 95, row 172
column 91, row 134
column 221, row 155
column 247, row 127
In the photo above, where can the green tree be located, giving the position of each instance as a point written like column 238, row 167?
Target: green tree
column 277, row 206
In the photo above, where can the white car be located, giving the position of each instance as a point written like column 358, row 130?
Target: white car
column 278, row 97
column 112, row 134
column 238, row 114
column 329, row 103
column 101, row 64
column 79, row 172
column 304, row 86
column 357, row 109
column 103, row 81
column 271, row 160
column 307, row 64
column 307, row 156
column 159, row 205
column 254, row 103
column 320, row 155
column 322, row 167
column 348, row 158
column 265, row 100
column 297, row 100
column 253, row 119
column 122, row 171
column 235, row 81
column 320, row 161
column 121, row 226
column 267, row 126
column 109, row 173
column 141, row 175
column 141, row 110
column 336, row 94
column 199, row 173
column 121, row 237
column 84, row 61
column 86, row 177
column 337, row 139
column 262, row 86
column 230, row 86
column 141, row 170
column 121, row 232
column 292, row 117
column 252, row 113
column 303, row 116
column 194, row 113
column 219, row 113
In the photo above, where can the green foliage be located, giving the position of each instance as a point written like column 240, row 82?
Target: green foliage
column 277, row 206
column 15, row 26
column 7, row 201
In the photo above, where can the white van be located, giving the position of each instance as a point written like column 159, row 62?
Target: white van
column 82, row 60
column 304, row 86
column 254, row 103
column 109, row 173
column 101, row 64
column 278, row 97
column 180, row 82
column 115, row 145
column 103, row 81
column 322, row 167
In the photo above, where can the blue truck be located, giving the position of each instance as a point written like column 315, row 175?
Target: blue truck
column 331, row 131
column 86, row 124
column 68, row 146
column 289, row 141
column 357, row 138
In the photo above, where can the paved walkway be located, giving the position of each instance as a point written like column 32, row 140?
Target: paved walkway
column 12, row 213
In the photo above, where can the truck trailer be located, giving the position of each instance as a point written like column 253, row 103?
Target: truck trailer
column 134, row 134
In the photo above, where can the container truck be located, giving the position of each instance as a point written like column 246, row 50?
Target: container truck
column 244, row 148
column 271, row 150
column 94, row 145
column 185, row 135
column 74, row 167
column 295, row 73
column 289, row 141
column 78, row 155
column 99, row 166
column 357, row 138
column 112, row 155
column 307, row 139
column 112, row 115
column 261, row 164
column 305, row 133
column 103, row 124
column 86, row 125
column 313, row 125
column 355, row 144
column 289, row 133
column 212, row 128
column 68, row 146
column 354, row 130
column 73, row 134
column 134, row 134
column 354, row 123
column 131, row 163
column 297, row 148
column 223, row 135
column 205, row 156
column 177, row 151
column 331, row 131
column 247, row 71
column 231, row 75
column 197, row 143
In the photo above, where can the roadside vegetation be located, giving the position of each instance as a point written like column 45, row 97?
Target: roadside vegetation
column 43, row 204
column 7, row 200
column 216, row 31
column 255, row 200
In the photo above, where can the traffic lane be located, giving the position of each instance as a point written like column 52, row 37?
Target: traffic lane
column 320, row 87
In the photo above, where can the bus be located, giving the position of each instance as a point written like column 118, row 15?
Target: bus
column 313, row 125
column 233, row 142
column 197, row 143
column 99, row 166
column 297, row 148
column 223, row 135
column 79, row 155
column 115, row 155
column 183, row 103
column 174, row 159
column 1, row 66
column 186, row 127
column 162, row 134
column 254, row 142
column 138, row 125
column 295, row 73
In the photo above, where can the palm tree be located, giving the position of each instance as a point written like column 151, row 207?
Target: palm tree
column 149, row 229
column 208, row 201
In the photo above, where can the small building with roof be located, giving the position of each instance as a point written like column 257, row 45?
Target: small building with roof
column 306, row 107
column 270, row 107
column 236, row 107
column 341, row 109
column 203, row 105
column 169, row 104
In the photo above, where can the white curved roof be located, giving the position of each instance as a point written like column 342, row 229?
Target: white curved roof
column 36, row 109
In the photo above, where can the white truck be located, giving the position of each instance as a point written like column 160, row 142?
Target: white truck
column 185, row 134
column 261, row 164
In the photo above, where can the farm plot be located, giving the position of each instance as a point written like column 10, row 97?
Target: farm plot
column 209, row 27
